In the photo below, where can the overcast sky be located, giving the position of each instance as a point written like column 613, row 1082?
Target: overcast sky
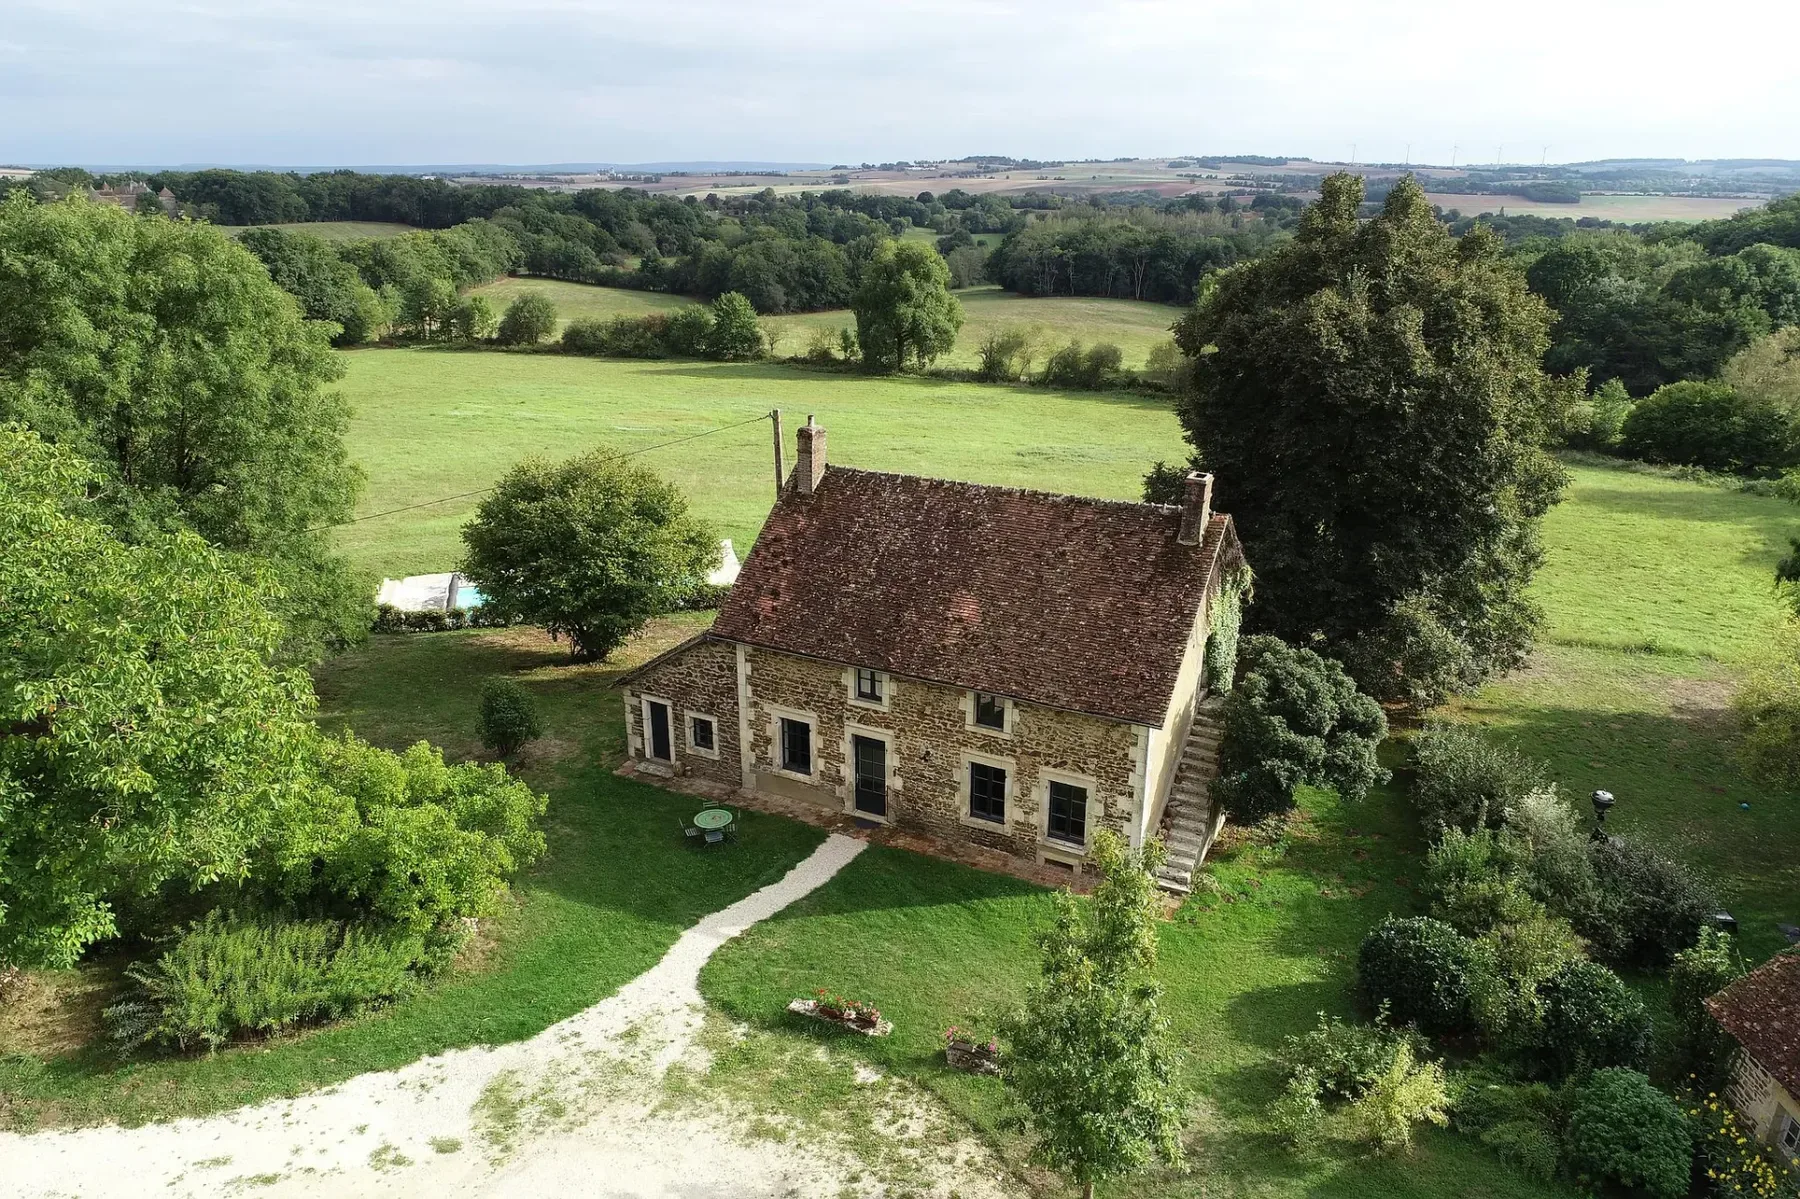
column 357, row 82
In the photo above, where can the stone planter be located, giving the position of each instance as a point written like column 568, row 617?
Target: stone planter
column 972, row 1057
column 865, row 1025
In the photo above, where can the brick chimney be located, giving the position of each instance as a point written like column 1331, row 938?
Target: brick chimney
column 1196, row 508
column 809, row 457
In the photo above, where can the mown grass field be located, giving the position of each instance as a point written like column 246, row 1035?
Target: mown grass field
column 333, row 230
column 430, row 424
column 1132, row 325
column 1626, row 209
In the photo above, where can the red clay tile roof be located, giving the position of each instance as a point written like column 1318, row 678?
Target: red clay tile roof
column 1073, row 603
column 1762, row 1010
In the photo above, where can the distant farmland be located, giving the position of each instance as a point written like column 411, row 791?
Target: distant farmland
column 332, row 230
column 1629, row 209
column 1132, row 325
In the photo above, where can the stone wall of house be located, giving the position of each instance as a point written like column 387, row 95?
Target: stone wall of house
column 701, row 679
column 1758, row 1098
column 931, row 738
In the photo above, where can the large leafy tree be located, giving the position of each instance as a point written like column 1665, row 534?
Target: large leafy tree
column 1371, row 399
column 1087, row 1057
column 905, row 314
column 591, row 547
column 145, row 739
column 328, row 288
column 162, row 351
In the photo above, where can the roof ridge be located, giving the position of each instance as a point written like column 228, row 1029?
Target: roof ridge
column 1033, row 492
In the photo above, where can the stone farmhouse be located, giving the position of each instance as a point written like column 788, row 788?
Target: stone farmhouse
column 970, row 664
column 1762, row 1013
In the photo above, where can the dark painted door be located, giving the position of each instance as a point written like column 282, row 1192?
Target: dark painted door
column 871, row 775
column 659, row 731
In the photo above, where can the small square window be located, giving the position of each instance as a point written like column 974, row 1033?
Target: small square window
column 1068, row 813
column 700, row 732
column 796, row 746
column 987, row 792
column 868, row 686
column 990, row 711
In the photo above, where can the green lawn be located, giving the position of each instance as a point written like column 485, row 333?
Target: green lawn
column 333, row 230
column 1134, row 326
column 616, row 889
column 433, row 423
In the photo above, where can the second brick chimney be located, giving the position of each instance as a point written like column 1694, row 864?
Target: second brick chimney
column 1196, row 508
column 809, row 457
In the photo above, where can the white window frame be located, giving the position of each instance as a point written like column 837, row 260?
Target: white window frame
column 649, row 748
column 885, row 736
column 1008, row 707
column 776, row 716
column 687, row 727
column 1787, row 1127
column 883, row 679
column 1009, row 796
column 1095, row 809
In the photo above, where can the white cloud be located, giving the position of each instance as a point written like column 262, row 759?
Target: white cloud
column 414, row 81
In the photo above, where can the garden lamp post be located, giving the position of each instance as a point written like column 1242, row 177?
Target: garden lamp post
column 1603, row 800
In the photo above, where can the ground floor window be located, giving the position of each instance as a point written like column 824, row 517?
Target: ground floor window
column 796, row 745
column 987, row 792
column 1787, row 1135
column 701, row 734
column 1068, row 813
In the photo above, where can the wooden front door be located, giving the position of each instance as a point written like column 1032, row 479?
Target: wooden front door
column 659, row 730
column 871, row 775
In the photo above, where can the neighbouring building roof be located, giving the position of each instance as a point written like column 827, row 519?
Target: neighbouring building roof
column 1762, row 1010
column 1073, row 603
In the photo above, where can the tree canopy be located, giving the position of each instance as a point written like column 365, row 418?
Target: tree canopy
column 591, row 547
column 161, row 351
column 905, row 314
column 145, row 738
column 1370, row 398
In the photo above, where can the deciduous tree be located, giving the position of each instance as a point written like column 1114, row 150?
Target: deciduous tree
column 1087, row 1057
column 1371, row 400
column 905, row 314
column 591, row 547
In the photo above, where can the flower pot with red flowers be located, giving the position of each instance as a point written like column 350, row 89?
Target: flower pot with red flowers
column 853, row 1014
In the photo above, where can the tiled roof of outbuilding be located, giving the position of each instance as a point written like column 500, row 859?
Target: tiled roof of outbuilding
column 1762, row 1010
column 1073, row 603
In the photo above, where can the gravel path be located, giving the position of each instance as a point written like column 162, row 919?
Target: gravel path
column 575, row 1110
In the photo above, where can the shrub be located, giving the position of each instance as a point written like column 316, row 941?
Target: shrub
column 1004, row 354
column 1465, row 781
column 1709, row 425
column 1513, row 960
column 1404, row 1094
column 1090, row 369
column 1420, row 969
column 1767, row 708
column 1373, row 1067
column 1473, row 879
column 1557, row 869
column 224, row 980
column 1294, row 719
column 584, row 335
column 1220, row 657
column 1650, row 908
column 508, row 717
column 1702, row 1049
column 1064, row 367
column 1598, row 421
column 735, row 333
column 404, row 837
column 528, row 320
column 1623, row 1130
column 1734, row 1162
column 1592, row 1020
column 1518, row 1121
column 1166, row 366
column 687, row 330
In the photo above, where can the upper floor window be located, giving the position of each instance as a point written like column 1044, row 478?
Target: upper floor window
column 990, row 711
column 869, row 686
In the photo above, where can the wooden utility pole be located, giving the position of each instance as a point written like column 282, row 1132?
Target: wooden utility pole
column 780, row 473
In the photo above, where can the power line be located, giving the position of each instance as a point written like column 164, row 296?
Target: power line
column 662, row 445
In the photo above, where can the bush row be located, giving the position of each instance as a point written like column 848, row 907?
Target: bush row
column 389, row 619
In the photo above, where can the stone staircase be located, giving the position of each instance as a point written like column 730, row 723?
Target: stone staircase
column 1189, row 819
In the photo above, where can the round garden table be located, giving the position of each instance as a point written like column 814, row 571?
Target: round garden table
column 712, row 818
